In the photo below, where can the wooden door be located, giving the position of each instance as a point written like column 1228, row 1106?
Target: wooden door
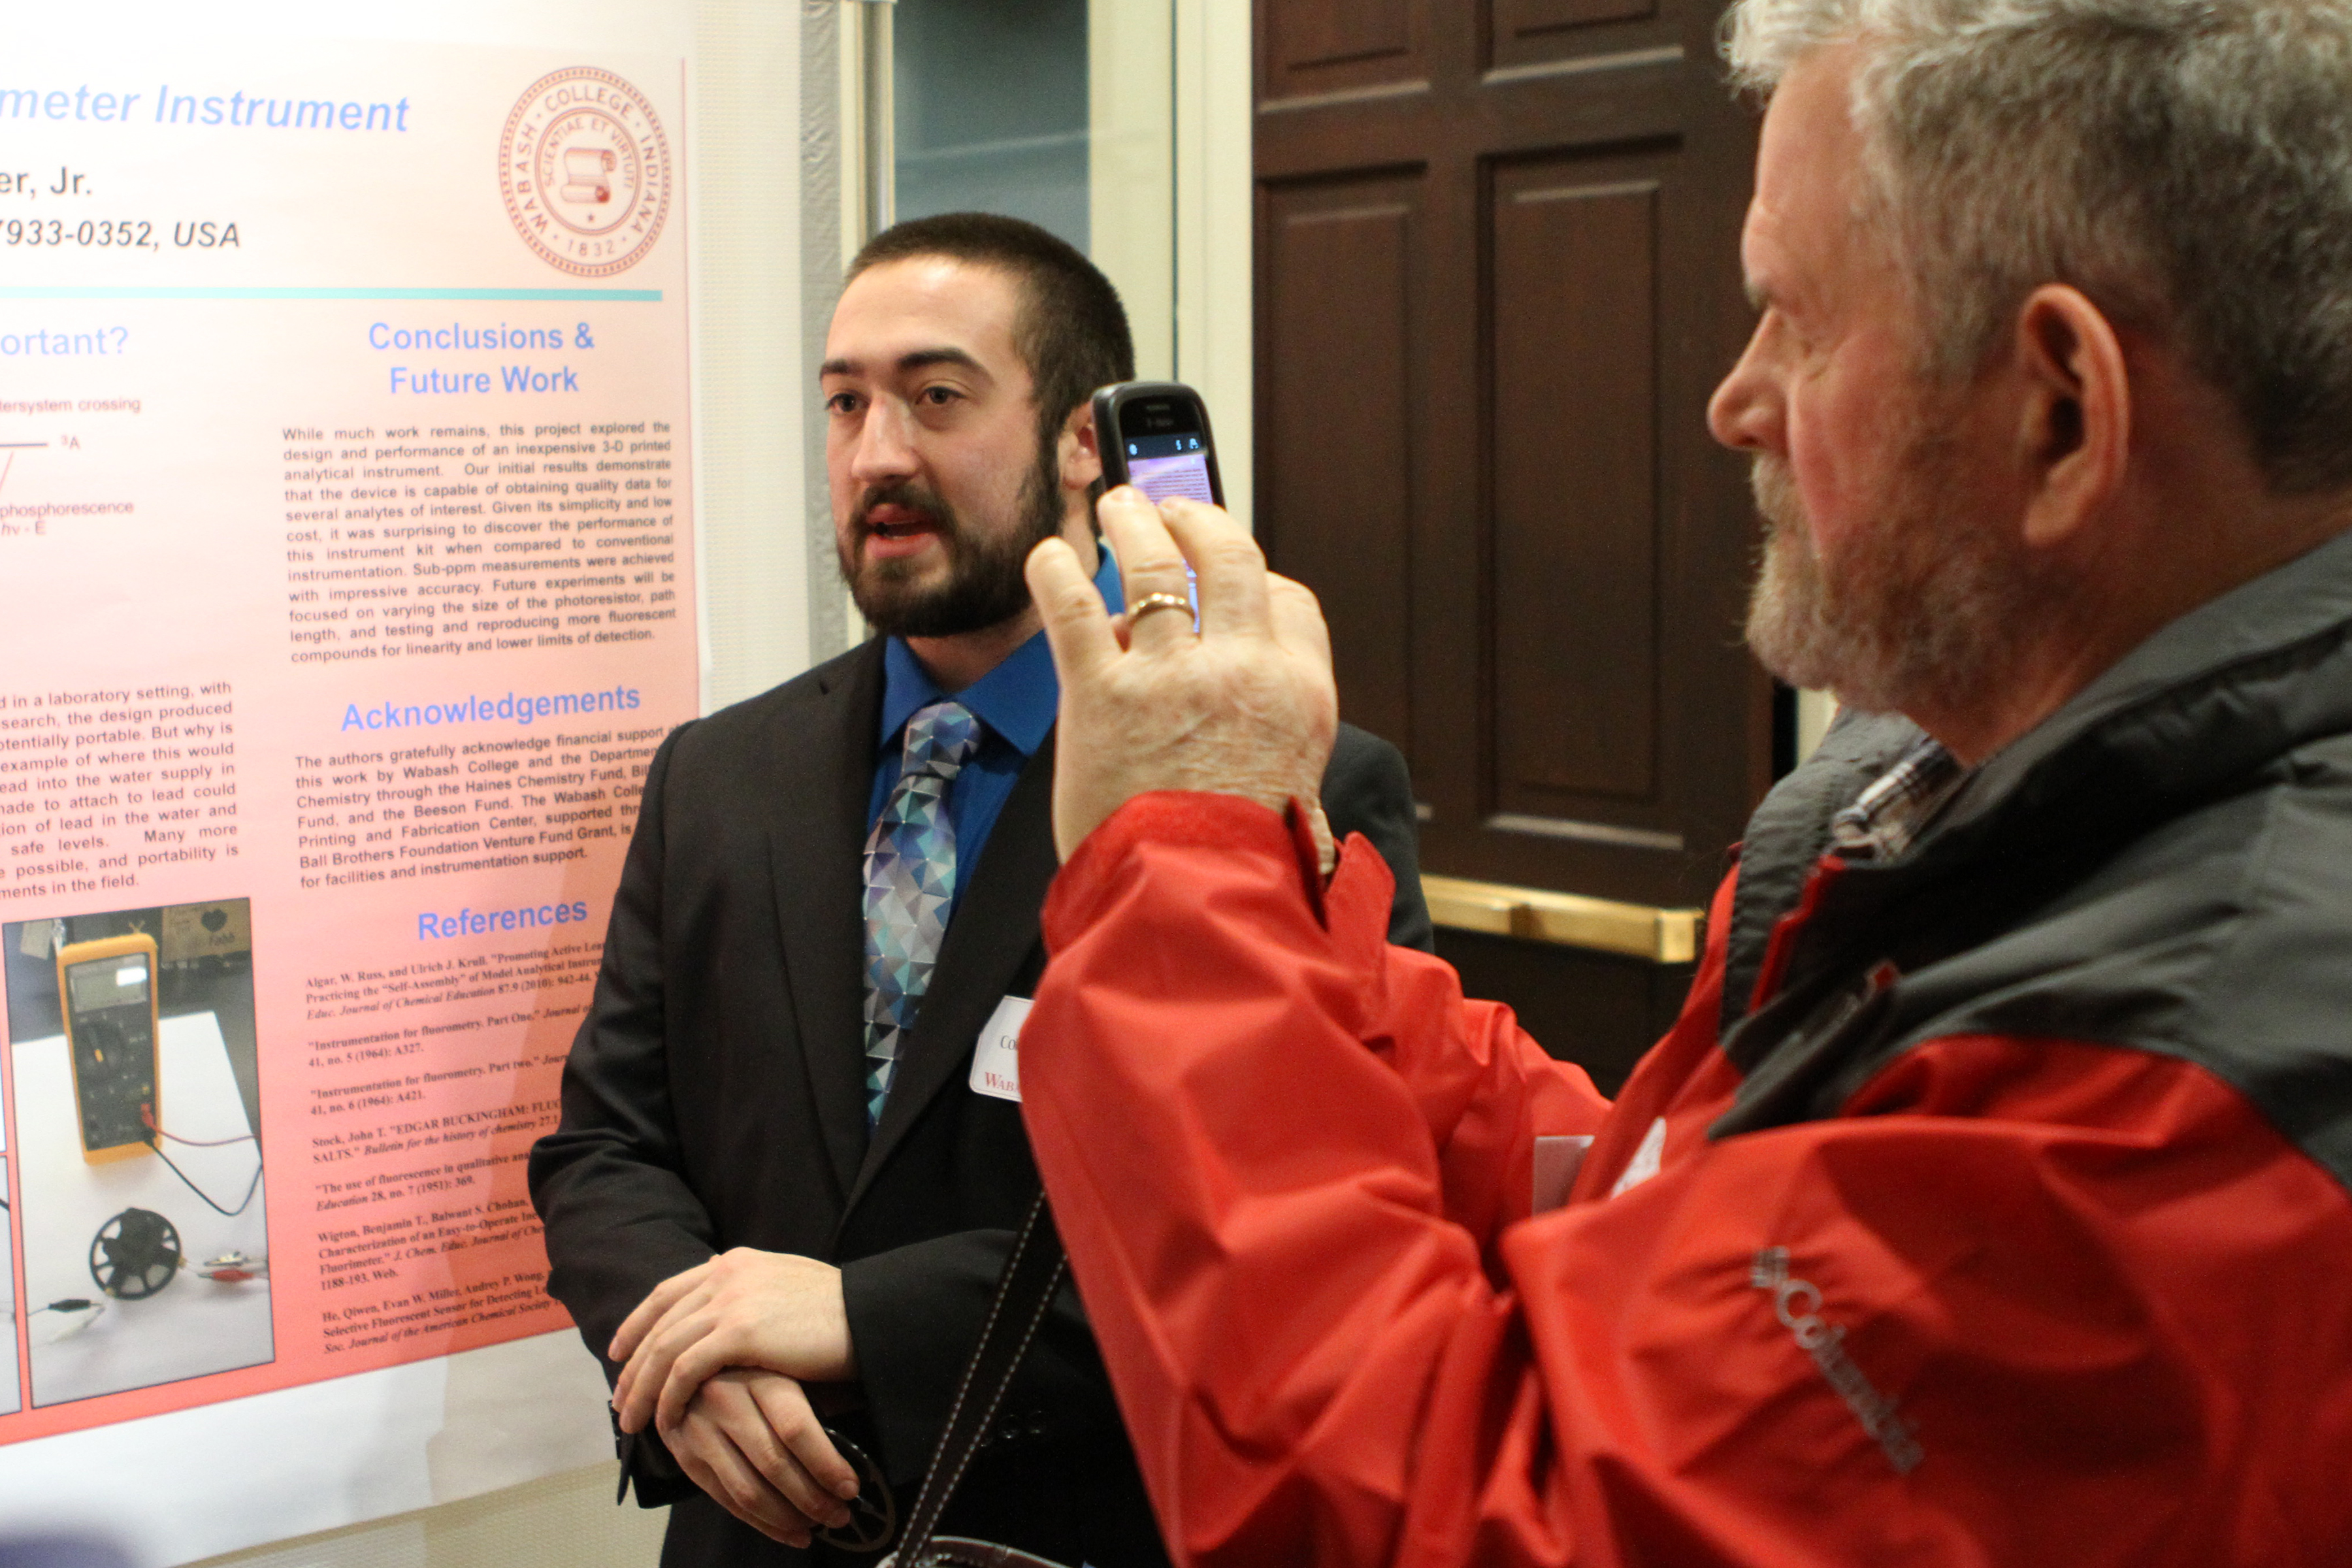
column 1497, row 278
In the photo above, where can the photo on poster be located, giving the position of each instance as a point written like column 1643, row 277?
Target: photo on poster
column 11, row 1380
column 133, row 1058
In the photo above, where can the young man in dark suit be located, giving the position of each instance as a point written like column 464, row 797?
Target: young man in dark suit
column 780, row 1193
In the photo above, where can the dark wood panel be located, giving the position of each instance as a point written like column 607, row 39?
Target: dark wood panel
column 1576, row 707
column 1335, row 396
column 1336, row 32
column 1523, row 20
column 1574, row 438
column 1529, row 38
column 1642, row 98
column 1308, row 47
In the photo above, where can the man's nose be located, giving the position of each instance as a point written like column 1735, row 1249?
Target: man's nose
column 885, row 447
column 1744, row 412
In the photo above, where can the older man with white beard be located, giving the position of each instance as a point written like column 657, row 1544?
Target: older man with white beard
column 1989, row 1202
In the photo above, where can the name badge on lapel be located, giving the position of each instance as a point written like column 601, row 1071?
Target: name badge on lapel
column 996, row 1059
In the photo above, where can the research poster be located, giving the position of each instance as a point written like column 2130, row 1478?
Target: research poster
column 346, row 536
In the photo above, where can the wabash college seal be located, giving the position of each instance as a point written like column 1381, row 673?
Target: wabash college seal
column 585, row 171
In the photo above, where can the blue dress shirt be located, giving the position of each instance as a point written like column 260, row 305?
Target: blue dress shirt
column 1015, row 704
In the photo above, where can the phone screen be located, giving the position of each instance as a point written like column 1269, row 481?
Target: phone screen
column 1165, row 466
column 1163, row 446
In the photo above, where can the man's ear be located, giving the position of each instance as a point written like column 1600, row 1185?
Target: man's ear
column 2075, row 420
column 1081, row 453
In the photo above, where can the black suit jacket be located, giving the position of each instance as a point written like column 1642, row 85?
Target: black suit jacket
column 714, row 1097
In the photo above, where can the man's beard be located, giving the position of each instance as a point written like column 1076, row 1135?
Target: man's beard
column 983, row 585
column 1928, row 607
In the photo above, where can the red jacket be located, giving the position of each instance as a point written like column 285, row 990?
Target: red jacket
column 2011, row 1300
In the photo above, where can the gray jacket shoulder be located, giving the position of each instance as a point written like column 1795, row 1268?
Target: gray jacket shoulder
column 2224, row 937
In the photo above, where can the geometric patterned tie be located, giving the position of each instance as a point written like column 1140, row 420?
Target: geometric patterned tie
column 910, row 881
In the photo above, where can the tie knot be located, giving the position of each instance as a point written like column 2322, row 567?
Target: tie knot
column 940, row 739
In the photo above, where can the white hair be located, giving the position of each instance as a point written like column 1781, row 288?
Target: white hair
column 2186, row 163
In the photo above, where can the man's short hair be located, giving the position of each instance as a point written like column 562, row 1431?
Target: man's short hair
column 1072, row 330
column 2185, row 164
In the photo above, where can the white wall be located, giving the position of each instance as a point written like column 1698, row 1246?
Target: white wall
column 1215, row 227
column 1170, row 198
column 752, row 387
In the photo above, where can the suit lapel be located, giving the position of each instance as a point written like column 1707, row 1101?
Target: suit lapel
column 821, row 769
column 993, row 932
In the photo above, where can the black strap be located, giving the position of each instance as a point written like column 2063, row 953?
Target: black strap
column 1024, row 1294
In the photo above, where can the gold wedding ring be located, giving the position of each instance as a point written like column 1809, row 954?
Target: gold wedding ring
column 1150, row 602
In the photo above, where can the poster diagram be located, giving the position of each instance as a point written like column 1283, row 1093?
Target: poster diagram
column 132, row 1055
column 345, row 511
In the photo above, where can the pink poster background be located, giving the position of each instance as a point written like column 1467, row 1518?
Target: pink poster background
column 348, row 558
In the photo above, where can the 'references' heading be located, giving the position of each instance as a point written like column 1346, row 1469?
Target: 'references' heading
column 431, row 927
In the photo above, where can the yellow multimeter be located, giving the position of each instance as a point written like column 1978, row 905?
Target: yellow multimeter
column 107, row 992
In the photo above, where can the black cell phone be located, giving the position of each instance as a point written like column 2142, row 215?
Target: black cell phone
column 1155, row 435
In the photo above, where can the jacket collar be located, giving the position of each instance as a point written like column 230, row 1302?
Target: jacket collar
column 2192, row 712
column 821, row 763
column 2219, row 691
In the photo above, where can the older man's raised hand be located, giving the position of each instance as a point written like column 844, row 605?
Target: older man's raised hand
column 1244, row 706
